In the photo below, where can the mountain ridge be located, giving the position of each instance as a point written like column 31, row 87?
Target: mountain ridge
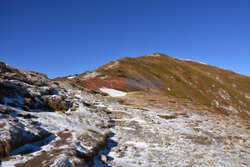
column 226, row 91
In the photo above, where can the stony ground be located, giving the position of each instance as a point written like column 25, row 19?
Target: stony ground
column 139, row 136
column 153, row 136
column 158, row 137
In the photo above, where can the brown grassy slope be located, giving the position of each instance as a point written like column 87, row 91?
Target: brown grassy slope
column 199, row 83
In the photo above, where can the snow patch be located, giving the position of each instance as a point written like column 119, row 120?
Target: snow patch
column 71, row 77
column 113, row 92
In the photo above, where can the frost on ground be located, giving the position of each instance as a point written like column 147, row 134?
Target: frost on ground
column 95, row 130
column 152, row 137
column 45, row 124
column 46, row 136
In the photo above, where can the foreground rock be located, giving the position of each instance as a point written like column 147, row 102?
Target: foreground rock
column 32, row 133
column 30, row 90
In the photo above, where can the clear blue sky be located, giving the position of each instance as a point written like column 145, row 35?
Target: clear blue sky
column 64, row 37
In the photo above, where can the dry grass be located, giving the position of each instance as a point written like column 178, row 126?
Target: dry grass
column 168, row 116
column 3, row 149
column 188, row 80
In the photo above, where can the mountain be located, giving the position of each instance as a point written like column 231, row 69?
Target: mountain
column 75, row 121
column 224, row 91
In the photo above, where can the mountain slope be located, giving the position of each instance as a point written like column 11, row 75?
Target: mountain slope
column 225, row 91
column 145, row 128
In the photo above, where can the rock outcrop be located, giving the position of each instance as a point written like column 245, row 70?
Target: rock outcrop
column 30, row 90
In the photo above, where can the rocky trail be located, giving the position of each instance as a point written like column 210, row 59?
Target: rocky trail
column 152, row 137
column 136, row 137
